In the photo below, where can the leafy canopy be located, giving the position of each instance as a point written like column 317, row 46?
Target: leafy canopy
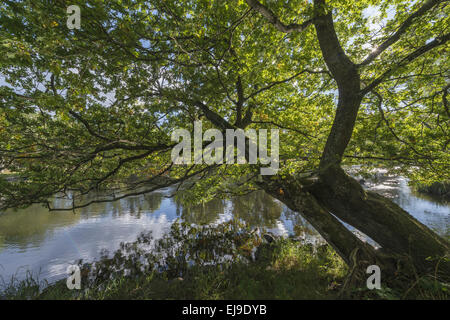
column 84, row 110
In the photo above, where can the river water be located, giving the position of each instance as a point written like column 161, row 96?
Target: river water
column 46, row 243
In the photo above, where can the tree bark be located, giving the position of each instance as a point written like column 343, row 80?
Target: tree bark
column 378, row 217
column 332, row 190
column 296, row 198
column 404, row 241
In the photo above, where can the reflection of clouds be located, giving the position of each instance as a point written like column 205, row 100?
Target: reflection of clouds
column 288, row 224
column 227, row 215
column 383, row 187
column 431, row 213
column 58, row 268
column 82, row 241
column 279, row 230
column 64, row 238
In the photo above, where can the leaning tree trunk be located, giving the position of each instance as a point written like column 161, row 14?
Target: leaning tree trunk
column 380, row 219
column 289, row 191
column 332, row 193
column 335, row 192
column 405, row 243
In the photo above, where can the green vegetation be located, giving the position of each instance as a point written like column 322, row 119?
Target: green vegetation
column 345, row 82
column 439, row 189
column 227, row 261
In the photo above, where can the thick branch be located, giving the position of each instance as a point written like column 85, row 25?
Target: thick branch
column 401, row 30
column 339, row 64
column 212, row 116
column 408, row 59
column 347, row 78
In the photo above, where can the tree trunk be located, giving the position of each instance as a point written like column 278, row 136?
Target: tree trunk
column 379, row 218
column 296, row 198
column 403, row 239
column 332, row 193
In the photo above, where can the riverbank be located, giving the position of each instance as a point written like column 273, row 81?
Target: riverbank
column 226, row 261
column 436, row 189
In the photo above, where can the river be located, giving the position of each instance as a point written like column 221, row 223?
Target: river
column 45, row 243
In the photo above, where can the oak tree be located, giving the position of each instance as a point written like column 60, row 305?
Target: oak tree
column 347, row 83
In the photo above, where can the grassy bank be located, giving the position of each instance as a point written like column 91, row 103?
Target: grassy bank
column 227, row 261
column 436, row 189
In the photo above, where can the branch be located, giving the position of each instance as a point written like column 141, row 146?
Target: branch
column 248, row 116
column 131, row 194
column 341, row 67
column 88, row 127
column 383, row 117
column 303, row 133
column 273, row 19
column 275, row 83
column 444, row 100
column 411, row 57
column 399, row 158
column 212, row 116
column 401, row 30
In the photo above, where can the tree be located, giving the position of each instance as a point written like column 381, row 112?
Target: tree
column 347, row 83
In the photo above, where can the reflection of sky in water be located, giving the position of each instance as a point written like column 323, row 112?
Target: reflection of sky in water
column 38, row 240
column 435, row 215
column 83, row 240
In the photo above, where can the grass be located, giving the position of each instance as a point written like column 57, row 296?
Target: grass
column 227, row 261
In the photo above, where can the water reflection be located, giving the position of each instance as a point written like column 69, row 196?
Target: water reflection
column 434, row 213
column 256, row 209
column 49, row 241
column 30, row 227
column 204, row 213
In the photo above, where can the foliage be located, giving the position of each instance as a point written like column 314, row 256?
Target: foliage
column 439, row 189
column 82, row 110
